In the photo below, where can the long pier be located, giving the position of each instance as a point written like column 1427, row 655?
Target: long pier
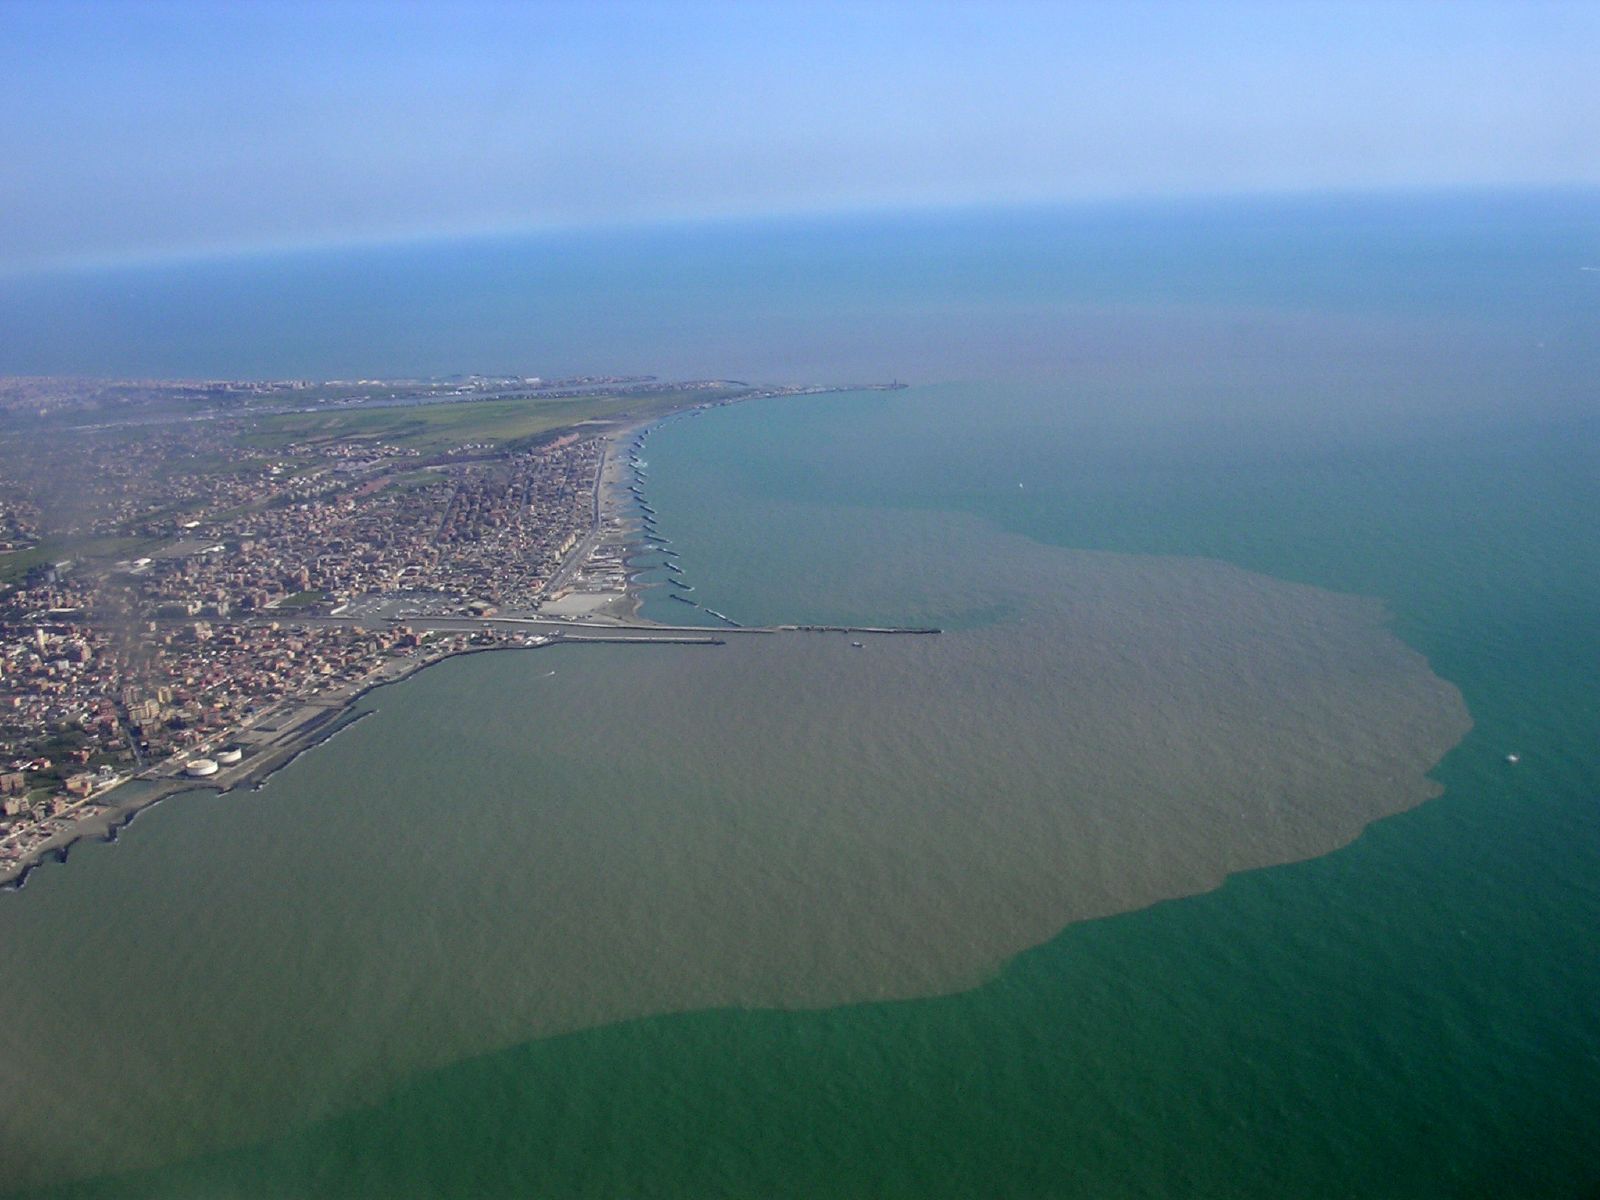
column 576, row 629
column 618, row 640
column 854, row 629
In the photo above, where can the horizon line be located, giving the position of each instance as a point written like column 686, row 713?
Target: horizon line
column 394, row 239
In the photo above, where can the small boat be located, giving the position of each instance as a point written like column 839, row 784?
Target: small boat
column 1513, row 759
column 857, row 645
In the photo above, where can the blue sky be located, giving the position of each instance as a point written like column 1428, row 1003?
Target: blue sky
column 143, row 130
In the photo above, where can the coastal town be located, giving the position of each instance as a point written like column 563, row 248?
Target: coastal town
column 199, row 579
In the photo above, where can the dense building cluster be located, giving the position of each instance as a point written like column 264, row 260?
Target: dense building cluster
column 19, row 524
column 141, row 484
column 490, row 531
column 82, row 705
column 111, row 665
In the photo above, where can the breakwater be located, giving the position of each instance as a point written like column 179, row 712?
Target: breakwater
column 856, row 629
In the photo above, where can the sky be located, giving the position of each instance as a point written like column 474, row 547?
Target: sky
column 140, row 131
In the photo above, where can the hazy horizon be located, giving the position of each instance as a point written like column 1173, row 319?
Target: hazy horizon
column 153, row 131
column 1209, row 386
column 918, row 296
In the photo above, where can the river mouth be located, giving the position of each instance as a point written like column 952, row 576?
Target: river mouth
column 788, row 821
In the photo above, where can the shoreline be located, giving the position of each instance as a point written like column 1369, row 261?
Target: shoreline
column 106, row 825
column 610, row 614
column 315, row 728
column 609, row 591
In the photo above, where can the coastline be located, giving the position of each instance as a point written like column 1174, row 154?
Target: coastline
column 600, row 582
column 316, row 720
column 106, row 824
column 594, row 596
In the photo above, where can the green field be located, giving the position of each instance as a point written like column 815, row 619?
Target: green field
column 15, row 565
column 437, row 427
column 300, row 600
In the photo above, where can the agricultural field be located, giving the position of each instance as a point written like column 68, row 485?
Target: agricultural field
column 436, row 427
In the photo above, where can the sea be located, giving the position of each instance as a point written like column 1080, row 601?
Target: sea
column 1237, row 836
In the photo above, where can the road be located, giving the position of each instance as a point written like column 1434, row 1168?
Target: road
column 586, row 544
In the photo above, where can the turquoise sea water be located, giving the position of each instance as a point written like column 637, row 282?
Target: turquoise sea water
column 1414, row 1014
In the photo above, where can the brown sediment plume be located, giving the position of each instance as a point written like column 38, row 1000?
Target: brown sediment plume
column 783, row 821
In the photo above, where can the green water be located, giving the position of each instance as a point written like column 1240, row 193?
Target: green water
column 497, row 938
column 1412, row 1015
